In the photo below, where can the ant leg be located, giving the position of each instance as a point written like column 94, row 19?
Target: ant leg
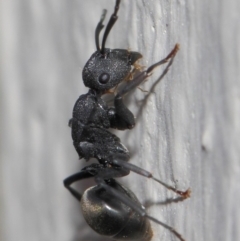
column 145, row 74
column 105, row 174
column 120, row 116
column 140, row 171
column 74, row 178
column 91, row 171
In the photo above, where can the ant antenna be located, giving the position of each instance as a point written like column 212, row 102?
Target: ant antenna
column 99, row 28
column 110, row 24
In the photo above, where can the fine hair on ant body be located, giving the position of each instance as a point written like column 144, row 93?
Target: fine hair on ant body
column 110, row 208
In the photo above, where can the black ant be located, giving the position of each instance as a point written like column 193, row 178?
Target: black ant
column 110, row 208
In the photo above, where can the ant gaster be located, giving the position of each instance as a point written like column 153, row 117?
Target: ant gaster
column 110, row 208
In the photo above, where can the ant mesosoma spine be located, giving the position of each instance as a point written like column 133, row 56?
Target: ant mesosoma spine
column 110, row 208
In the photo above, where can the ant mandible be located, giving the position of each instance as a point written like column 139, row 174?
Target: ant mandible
column 110, row 208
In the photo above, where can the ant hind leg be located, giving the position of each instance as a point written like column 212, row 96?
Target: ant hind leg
column 140, row 171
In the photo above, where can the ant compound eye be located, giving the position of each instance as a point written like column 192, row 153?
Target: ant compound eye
column 104, row 78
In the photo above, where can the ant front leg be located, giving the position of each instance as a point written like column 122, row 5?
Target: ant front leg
column 145, row 74
column 120, row 116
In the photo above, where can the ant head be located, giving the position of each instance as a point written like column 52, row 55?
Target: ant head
column 105, row 71
column 106, row 68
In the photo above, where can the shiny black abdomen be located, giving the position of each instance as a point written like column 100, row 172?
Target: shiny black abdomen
column 110, row 217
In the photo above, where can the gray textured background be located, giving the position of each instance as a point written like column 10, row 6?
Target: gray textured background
column 188, row 129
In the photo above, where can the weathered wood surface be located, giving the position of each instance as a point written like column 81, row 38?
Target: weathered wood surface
column 188, row 129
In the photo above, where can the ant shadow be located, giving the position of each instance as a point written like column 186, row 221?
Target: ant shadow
column 148, row 203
